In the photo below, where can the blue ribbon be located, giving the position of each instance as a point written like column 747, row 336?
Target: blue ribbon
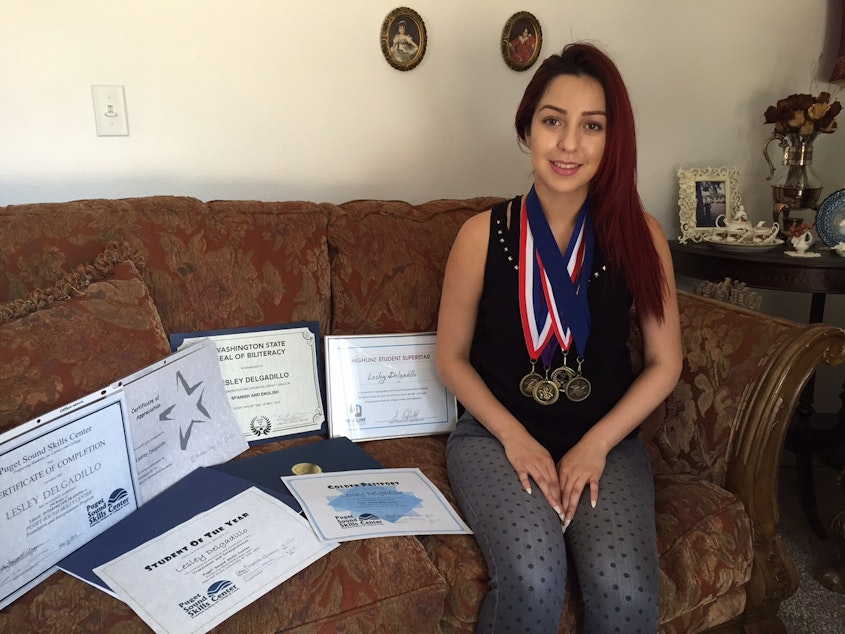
column 571, row 297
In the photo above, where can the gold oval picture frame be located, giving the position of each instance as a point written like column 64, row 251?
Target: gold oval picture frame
column 403, row 38
column 522, row 39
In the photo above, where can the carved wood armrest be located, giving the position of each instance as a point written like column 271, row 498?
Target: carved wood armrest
column 754, row 455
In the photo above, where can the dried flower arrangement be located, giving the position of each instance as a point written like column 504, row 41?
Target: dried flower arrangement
column 804, row 114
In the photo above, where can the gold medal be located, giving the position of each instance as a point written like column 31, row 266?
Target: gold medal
column 563, row 374
column 526, row 385
column 578, row 388
column 546, row 392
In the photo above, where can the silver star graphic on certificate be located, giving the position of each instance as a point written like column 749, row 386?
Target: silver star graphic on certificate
column 185, row 435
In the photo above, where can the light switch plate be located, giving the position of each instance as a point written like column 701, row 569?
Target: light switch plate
column 110, row 110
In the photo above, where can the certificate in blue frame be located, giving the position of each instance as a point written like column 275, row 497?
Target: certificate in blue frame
column 246, row 382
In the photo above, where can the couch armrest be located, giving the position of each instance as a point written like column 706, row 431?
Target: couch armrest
column 726, row 421
column 754, row 456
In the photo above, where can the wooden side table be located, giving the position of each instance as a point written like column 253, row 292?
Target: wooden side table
column 775, row 270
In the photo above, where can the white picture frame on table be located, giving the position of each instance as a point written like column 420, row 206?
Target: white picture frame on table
column 386, row 386
column 704, row 195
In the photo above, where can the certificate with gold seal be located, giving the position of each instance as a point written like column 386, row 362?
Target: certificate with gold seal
column 272, row 377
column 386, row 386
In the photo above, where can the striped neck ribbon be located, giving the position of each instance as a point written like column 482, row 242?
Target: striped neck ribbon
column 553, row 306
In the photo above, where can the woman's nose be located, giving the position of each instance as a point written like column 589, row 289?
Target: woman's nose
column 568, row 139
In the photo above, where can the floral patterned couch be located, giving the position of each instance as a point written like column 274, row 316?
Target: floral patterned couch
column 90, row 289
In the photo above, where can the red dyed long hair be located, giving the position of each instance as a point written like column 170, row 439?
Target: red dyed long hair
column 615, row 204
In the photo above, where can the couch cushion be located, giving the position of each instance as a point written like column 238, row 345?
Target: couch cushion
column 208, row 266
column 373, row 585
column 363, row 586
column 387, row 262
column 704, row 542
column 91, row 327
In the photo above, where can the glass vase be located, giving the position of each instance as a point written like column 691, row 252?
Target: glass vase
column 795, row 185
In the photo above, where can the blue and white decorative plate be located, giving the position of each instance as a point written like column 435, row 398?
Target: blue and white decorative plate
column 830, row 219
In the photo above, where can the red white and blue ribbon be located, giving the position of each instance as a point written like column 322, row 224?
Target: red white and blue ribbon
column 553, row 305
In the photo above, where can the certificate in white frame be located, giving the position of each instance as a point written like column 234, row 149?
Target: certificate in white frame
column 64, row 478
column 386, row 386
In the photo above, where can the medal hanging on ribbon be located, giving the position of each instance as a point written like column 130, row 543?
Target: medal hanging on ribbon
column 553, row 308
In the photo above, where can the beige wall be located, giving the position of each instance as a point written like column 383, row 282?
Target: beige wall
column 280, row 99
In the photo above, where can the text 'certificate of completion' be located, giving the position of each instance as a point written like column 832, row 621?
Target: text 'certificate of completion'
column 369, row 503
column 386, row 386
column 271, row 377
column 62, row 483
column 198, row 574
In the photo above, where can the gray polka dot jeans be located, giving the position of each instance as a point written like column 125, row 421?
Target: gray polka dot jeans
column 613, row 547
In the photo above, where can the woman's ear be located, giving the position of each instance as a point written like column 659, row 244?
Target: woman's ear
column 525, row 143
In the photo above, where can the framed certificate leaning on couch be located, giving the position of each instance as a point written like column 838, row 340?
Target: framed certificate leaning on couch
column 386, row 386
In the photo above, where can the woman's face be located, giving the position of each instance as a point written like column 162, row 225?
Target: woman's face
column 568, row 135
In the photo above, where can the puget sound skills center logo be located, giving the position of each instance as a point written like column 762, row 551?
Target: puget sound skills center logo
column 199, row 603
column 101, row 509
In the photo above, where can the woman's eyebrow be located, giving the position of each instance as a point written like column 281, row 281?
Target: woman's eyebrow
column 564, row 111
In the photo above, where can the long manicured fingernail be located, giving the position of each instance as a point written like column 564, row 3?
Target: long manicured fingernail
column 593, row 503
column 528, row 490
column 564, row 524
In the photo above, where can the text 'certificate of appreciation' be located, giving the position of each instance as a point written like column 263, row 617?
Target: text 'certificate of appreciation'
column 367, row 503
column 198, row 574
column 180, row 417
column 62, row 483
column 271, row 377
column 386, row 386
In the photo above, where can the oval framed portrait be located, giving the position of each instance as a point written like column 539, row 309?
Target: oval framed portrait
column 403, row 38
column 522, row 39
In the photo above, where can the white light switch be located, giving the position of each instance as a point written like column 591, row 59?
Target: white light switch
column 110, row 111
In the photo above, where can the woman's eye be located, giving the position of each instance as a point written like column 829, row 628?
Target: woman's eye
column 594, row 126
column 551, row 121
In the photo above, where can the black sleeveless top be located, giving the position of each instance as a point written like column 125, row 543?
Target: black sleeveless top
column 499, row 355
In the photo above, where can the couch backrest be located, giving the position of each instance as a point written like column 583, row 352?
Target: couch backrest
column 363, row 267
column 387, row 262
column 221, row 264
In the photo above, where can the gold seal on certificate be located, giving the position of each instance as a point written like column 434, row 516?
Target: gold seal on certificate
column 304, row 468
column 386, row 386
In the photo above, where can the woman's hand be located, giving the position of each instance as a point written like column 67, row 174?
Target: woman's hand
column 580, row 467
column 529, row 458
